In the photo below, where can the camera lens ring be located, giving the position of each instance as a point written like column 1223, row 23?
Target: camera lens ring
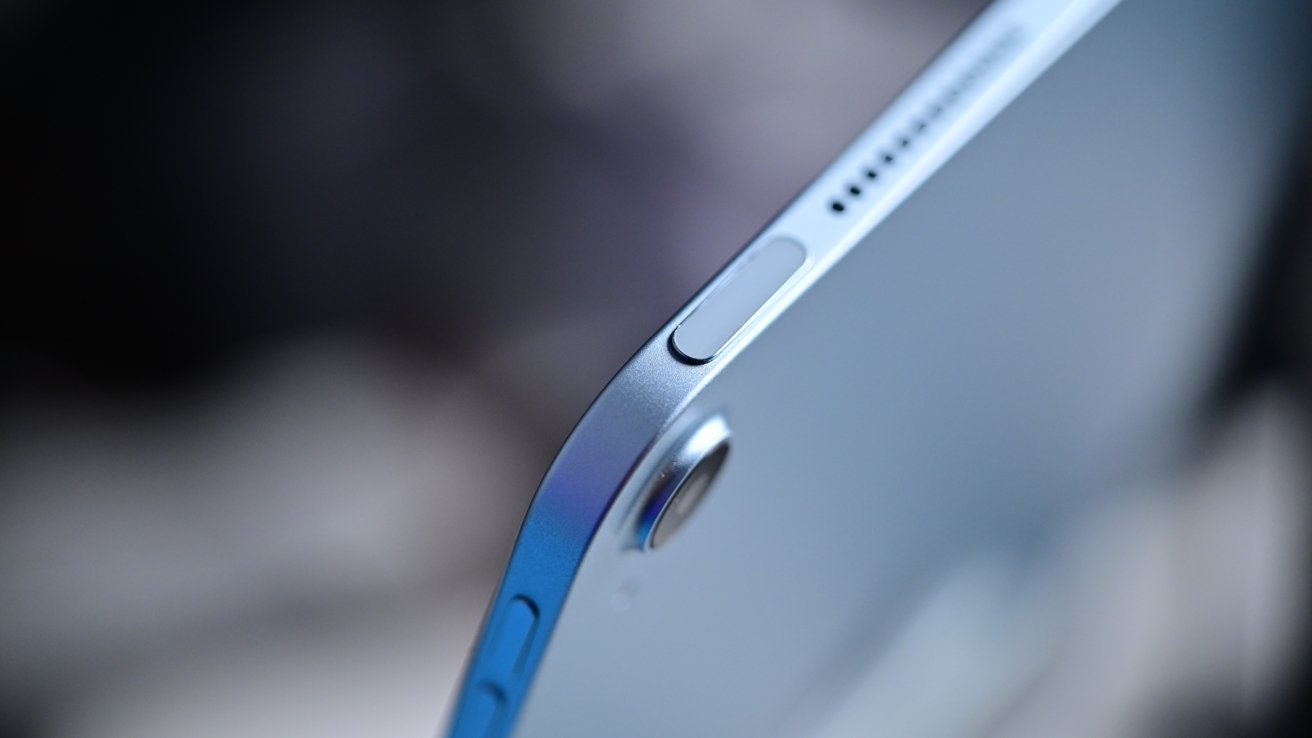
column 683, row 483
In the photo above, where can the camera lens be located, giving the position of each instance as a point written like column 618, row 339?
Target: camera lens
column 679, row 486
column 688, row 495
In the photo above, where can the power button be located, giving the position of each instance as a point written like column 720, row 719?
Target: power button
column 736, row 300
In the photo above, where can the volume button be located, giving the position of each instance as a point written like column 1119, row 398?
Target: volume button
column 511, row 639
column 481, row 713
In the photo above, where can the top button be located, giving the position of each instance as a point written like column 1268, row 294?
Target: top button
column 733, row 303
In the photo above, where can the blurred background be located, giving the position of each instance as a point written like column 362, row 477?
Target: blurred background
column 299, row 300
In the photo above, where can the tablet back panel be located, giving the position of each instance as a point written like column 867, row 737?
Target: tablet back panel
column 1033, row 325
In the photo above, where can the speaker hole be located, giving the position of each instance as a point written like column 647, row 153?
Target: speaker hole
column 837, row 206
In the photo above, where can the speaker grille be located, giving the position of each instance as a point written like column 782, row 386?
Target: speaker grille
column 914, row 133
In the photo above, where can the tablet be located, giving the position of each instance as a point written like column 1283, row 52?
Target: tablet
column 810, row 504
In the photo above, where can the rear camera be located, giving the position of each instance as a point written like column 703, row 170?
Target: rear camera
column 687, row 497
column 680, row 487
